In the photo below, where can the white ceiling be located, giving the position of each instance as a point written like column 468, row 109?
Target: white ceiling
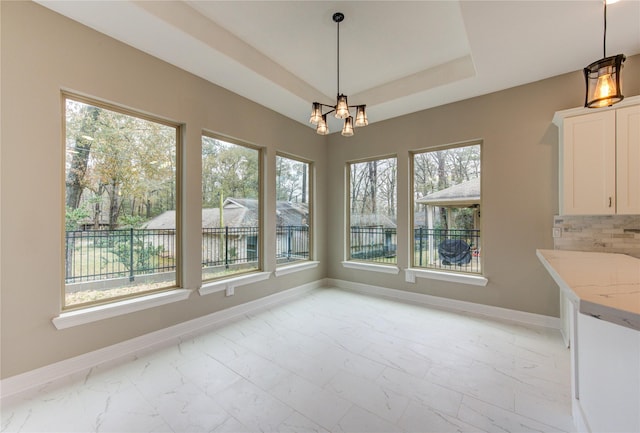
column 397, row 57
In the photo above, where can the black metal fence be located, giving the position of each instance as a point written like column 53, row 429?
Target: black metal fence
column 376, row 244
column 92, row 255
column 292, row 243
column 457, row 250
column 102, row 254
column 227, row 246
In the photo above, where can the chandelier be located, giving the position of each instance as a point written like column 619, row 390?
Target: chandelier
column 602, row 77
column 342, row 108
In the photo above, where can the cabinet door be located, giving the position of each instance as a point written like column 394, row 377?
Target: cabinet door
column 628, row 160
column 588, row 178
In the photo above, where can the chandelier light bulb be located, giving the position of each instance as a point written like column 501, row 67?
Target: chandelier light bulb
column 347, row 129
column 322, row 128
column 605, row 86
column 342, row 108
column 361, row 116
column 316, row 113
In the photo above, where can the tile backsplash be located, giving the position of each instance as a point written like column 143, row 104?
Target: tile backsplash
column 601, row 233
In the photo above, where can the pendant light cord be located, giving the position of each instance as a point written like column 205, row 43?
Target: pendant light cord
column 604, row 41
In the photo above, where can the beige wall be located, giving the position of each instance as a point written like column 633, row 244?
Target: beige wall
column 519, row 186
column 42, row 53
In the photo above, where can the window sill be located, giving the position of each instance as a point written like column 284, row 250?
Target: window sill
column 228, row 283
column 99, row 312
column 386, row 269
column 296, row 267
column 474, row 280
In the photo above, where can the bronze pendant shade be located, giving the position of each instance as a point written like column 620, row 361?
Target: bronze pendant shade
column 603, row 77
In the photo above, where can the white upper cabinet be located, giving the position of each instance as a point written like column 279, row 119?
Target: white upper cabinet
column 588, row 165
column 628, row 160
column 600, row 160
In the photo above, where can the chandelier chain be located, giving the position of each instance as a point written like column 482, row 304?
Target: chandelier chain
column 338, row 57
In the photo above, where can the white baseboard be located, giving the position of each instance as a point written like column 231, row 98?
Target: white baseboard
column 579, row 420
column 31, row 379
column 25, row 381
column 451, row 304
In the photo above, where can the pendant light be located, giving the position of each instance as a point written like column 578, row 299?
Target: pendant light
column 603, row 77
column 342, row 108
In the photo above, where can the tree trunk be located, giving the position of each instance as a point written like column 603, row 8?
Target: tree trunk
column 442, row 184
column 373, row 181
column 80, row 158
column 304, row 184
column 114, row 205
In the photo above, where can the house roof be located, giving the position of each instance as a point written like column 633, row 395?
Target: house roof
column 371, row 220
column 165, row 221
column 237, row 212
column 292, row 214
column 465, row 193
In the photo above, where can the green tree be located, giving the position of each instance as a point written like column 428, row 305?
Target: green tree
column 373, row 187
column 291, row 180
column 118, row 162
column 228, row 170
column 145, row 254
column 73, row 218
column 81, row 129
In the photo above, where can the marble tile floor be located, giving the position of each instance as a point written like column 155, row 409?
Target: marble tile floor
column 329, row 361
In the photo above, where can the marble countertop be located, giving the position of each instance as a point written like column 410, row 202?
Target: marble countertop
column 603, row 285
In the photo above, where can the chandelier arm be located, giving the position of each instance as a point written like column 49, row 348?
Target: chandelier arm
column 330, row 111
column 333, row 107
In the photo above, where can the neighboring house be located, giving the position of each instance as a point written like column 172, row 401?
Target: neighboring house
column 462, row 195
column 419, row 218
column 230, row 235
column 372, row 235
column 90, row 223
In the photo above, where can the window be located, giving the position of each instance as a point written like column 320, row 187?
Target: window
column 231, row 215
column 446, row 209
column 120, row 203
column 292, row 210
column 372, row 211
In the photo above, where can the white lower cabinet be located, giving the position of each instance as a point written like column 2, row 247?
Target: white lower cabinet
column 607, row 368
column 600, row 316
